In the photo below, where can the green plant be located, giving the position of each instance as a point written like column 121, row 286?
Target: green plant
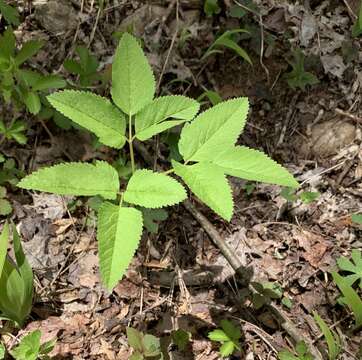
column 15, row 131
column 211, row 7
column 145, row 346
column 9, row 173
column 10, row 13
column 357, row 218
column 212, row 96
column 5, row 206
column 355, row 267
column 207, row 146
column 229, row 336
column 30, row 348
column 332, row 339
column 20, row 85
column 265, row 292
column 306, row 197
column 180, row 338
column 86, row 68
column 227, row 40
column 2, row 351
column 357, row 27
column 301, row 350
column 298, row 77
column 17, row 278
column 350, row 297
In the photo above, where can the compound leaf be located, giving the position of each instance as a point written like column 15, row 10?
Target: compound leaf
column 153, row 190
column 208, row 182
column 81, row 179
column 133, row 83
column 250, row 164
column 29, row 347
column 227, row 348
column 94, row 113
column 213, row 130
column 151, row 120
column 29, row 49
column 119, row 233
column 218, row 335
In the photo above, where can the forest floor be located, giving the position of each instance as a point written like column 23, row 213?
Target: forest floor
column 178, row 278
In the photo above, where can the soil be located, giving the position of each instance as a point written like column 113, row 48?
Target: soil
column 178, row 278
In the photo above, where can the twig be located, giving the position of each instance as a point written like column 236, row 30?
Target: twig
column 349, row 115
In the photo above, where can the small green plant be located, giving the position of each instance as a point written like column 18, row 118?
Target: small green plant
column 357, row 27
column 301, row 350
column 5, row 206
column 211, row 7
column 212, row 96
column 206, row 145
column 355, row 267
column 17, row 278
column 332, row 339
column 20, row 85
column 357, row 218
column 227, row 40
column 86, row 68
column 229, row 336
column 306, row 197
column 30, row 348
column 350, row 297
column 15, row 131
column 2, row 351
column 265, row 292
column 180, row 338
column 298, row 77
column 10, row 13
column 9, row 173
column 145, row 346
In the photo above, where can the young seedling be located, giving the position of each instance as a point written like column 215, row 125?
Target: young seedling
column 16, row 276
column 30, row 348
column 144, row 346
column 301, row 350
column 332, row 339
column 229, row 336
column 207, row 146
column 5, row 206
column 298, row 77
column 211, row 7
column 15, row 131
column 355, row 267
column 226, row 40
column 20, row 85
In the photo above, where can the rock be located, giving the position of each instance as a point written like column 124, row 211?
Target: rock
column 56, row 16
column 330, row 136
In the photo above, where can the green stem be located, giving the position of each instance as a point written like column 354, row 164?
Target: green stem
column 170, row 171
column 130, row 141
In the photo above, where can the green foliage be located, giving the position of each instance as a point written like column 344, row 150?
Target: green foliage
column 144, row 346
column 151, row 120
column 2, row 351
column 63, row 179
column 119, row 232
column 212, row 96
column 355, row 267
column 86, row 68
column 9, row 172
column 15, row 131
column 93, row 112
column 226, row 40
column 229, row 336
column 357, row 27
column 133, row 83
column 298, row 77
column 306, row 197
column 10, row 13
column 17, row 84
column 153, row 190
column 30, row 348
column 211, row 7
column 5, row 206
column 332, row 338
column 301, row 350
column 350, row 297
column 202, row 140
column 180, row 338
column 151, row 217
column 357, row 218
column 265, row 292
column 17, row 278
